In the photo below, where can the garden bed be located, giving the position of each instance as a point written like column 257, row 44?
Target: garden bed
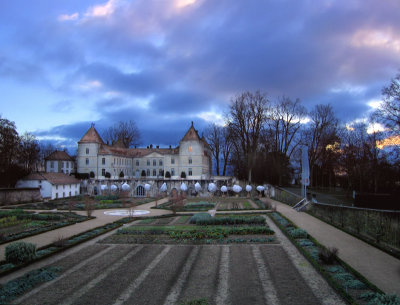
column 350, row 284
column 63, row 244
column 79, row 203
column 184, row 234
column 17, row 224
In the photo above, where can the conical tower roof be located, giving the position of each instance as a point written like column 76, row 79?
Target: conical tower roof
column 191, row 135
column 91, row 136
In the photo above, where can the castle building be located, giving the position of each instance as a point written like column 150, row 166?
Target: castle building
column 100, row 160
column 59, row 162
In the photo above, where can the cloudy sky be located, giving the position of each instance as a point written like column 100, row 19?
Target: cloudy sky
column 165, row 63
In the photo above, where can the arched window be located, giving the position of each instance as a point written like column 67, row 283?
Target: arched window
column 148, row 173
column 140, row 191
column 154, row 172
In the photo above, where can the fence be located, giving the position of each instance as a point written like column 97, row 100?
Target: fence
column 377, row 226
column 284, row 196
column 374, row 225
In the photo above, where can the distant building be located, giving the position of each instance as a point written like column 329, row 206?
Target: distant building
column 52, row 185
column 192, row 156
column 59, row 162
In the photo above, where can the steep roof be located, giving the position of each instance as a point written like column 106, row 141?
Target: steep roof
column 59, row 155
column 53, row 178
column 135, row 152
column 91, row 136
column 191, row 135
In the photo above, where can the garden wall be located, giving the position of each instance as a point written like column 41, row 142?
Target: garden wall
column 20, row 195
column 374, row 225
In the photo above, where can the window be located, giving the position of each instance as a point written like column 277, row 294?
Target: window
column 63, row 195
column 172, row 161
column 56, row 187
column 148, row 172
column 190, row 149
column 148, row 162
column 52, row 164
column 69, row 194
column 56, row 195
column 154, row 172
column 161, row 173
column 190, row 160
column 154, row 162
column 190, row 171
column 103, row 171
column 103, row 161
column 137, row 162
column 87, row 161
column 87, row 151
column 160, row 163
column 172, row 171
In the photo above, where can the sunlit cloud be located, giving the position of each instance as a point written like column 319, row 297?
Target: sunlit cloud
column 374, row 104
column 102, row 10
column 348, row 88
column 212, row 117
column 375, row 127
column 184, row 3
column 90, row 85
column 377, row 39
column 66, row 17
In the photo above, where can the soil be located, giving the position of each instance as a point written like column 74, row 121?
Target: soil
column 157, row 274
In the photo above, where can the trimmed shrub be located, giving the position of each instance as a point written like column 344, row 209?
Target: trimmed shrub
column 328, row 255
column 297, row 233
column 199, row 216
column 20, row 252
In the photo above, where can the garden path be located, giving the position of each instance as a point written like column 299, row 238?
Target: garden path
column 101, row 219
column 380, row 268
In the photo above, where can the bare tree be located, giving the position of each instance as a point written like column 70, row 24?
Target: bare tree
column 220, row 144
column 284, row 120
column 245, row 122
column 320, row 133
column 9, row 143
column 125, row 132
column 30, row 149
column 389, row 110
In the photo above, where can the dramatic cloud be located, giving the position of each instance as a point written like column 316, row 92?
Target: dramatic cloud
column 167, row 63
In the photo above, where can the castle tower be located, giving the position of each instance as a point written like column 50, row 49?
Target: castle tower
column 88, row 148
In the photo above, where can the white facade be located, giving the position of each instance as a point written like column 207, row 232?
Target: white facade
column 192, row 156
column 51, row 186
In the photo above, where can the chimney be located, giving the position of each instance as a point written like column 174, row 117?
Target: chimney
column 170, row 147
column 158, row 146
column 151, row 145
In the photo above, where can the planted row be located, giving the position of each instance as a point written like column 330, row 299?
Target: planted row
column 348, row 282
column 226, row 220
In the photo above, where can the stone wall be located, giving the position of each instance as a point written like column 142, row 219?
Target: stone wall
column 20, row 195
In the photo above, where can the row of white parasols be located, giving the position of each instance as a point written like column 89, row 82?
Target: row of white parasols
column 211, row 187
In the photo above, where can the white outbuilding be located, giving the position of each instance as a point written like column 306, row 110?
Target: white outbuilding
column 52, row 185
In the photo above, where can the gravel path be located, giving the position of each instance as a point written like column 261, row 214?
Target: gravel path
column 381, row 269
